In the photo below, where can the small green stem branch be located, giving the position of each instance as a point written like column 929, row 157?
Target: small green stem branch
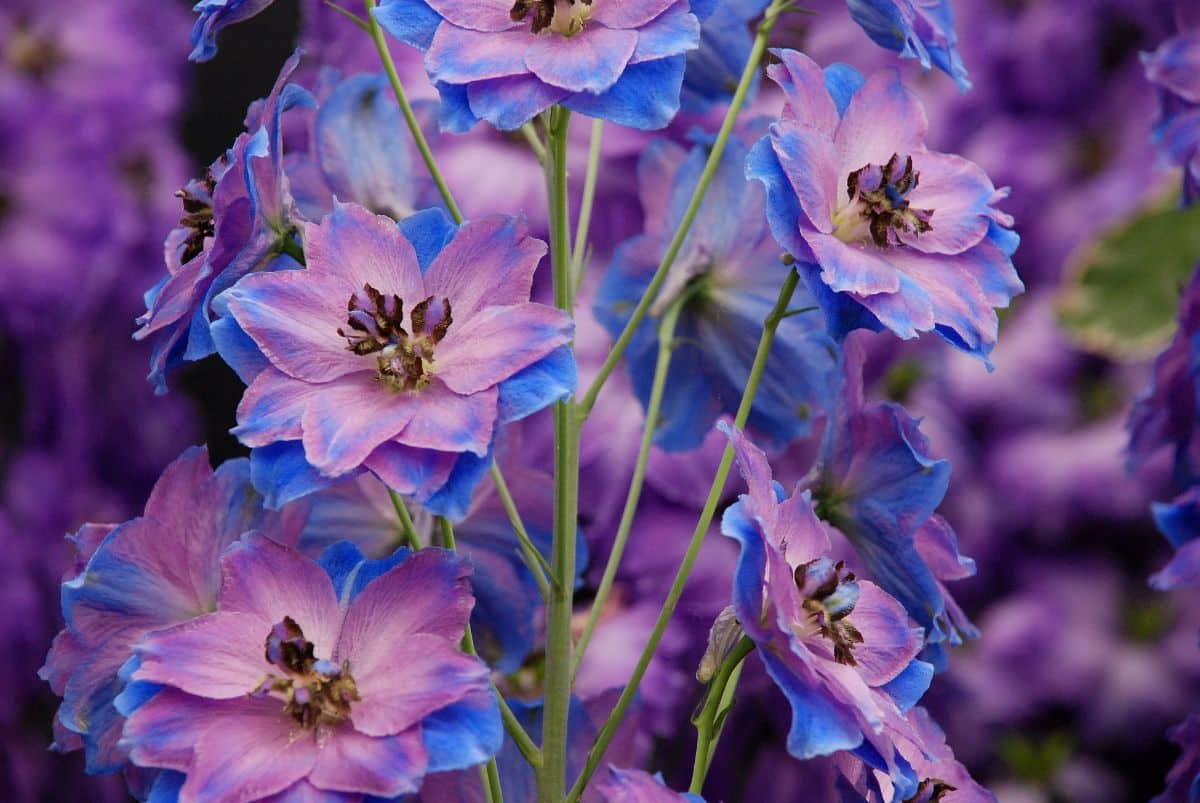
column 710, row 168
column 414, row 126
column 666, row 344
column 579, row 257
column 716, row 705
column 532, row 558
column 605, row 737
column 551, row 775
column 411, row 538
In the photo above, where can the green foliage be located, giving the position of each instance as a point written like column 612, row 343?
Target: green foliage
column 1124, row 295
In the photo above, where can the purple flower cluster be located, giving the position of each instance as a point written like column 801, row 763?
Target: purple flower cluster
column 417, row 586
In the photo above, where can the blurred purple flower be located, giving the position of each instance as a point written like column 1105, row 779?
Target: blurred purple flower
column 889, row 234
column 205, row 698
column 635, row 786
column 1174, row 68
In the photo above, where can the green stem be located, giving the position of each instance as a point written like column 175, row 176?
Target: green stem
column 605, row 737
column 489, row 778
column 516, row 730
column 410, row 531
column 586, row 205
column 666, row 344
column 535, row 143
column 418, row 135
column 533, row 559
column 710, row 168
column 557, row 686
column 707, row 725
column 350, row 15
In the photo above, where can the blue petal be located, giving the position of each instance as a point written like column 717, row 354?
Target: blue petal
column 551, row 379
column 282, row 474
column 464, row 734
column 453, row 500
column 410, row 21
column 351, row 571
column 429, row 231
column 819, row 727
column 907, row 688
column 645, row 97
column 454, row 113
column 842, row 81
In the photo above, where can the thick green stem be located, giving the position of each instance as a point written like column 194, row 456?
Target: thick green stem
column 604, row 738
column 710, row 168
column 389, row 66
column 717, row 703
column 533, row 559
column 666, row 344
column 585, row 207
column 411, row 538
column 557, row 687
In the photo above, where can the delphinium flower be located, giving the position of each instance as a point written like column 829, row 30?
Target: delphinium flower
column 1183, row 782
column 725, row 279
column 1174, row 68
column 236, row 220
column 877, row 483
column 916, row 29
column 343, row 676
column 399, row 350
column 130, row 579
column 507, row 62
column 888, row 234
column 841, row 649
column 635, row 786
column 216, row 15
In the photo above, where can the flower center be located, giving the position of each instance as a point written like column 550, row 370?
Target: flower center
column 314, row 692
column 931, row 790
column 375, row 325
column 565, row 17
column 878, row 204
column 34, row 55
column 197, row 215
column 830, row 594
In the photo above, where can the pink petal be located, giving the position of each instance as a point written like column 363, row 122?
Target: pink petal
column 272, row 581
column 853, row 267
column 883, row 118
column 346, row 420
column 219, row 656
column 958, row 192
column 890, row 642
column 271, row 408
column 957, row 299
column 590, row 61
column 460, row 56
column 675, row 32
column 628, row 13
column 803, row 84
column 411, row 471
column 490, row 262
column 164, row 729
column 478, row 15
column 363, row 248
column 448, row 422
column 497, row 343
column 386, row 767
column 293, row 316
column 810, row 163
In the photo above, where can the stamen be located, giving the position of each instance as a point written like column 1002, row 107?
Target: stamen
column 564, row 17
column 314, row 692
column 879, row 195
column 830, row 594
column 375, row 325
column 197, row 214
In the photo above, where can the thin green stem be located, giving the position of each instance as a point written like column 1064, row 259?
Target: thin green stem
column 350, row 15
column 533, row 559
column 666, row 344
column 604, row 738
column 535, row 142
column 410, row 531
column 516, row 730
column 585, row 206
column 557, row 686
column 708, row 725
column 710, row 168
column 489, row 778
column 414, row 126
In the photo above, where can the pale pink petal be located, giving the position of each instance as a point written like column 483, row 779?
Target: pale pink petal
column 219, row 656
column 590, row 61
column 362, row 248
column 349, row 418
column 478, row 15
column 803, row 84
column 497, row 343
column 490, row 262
column 449, row 422
column 858, row 268
column 624, row 14
column 459, row 55
column 386, row 767
column 271, row 408
column 810, row 163
column 883, row 118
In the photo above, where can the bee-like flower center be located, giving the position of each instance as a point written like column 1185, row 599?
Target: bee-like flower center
column 830, row 594
column 314, row 691
column 375, row 326
column 197, row 215
column 564, row 17
column 31, row 53
column 878, row 205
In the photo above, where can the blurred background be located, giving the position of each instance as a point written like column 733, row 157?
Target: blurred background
column 1081, row 667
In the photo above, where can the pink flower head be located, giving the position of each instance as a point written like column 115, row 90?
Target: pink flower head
column 889, row 234
column 326, row 679
column 399, row 350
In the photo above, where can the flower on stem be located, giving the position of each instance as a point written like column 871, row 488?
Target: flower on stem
column 877, row 483
column 506, row 62
column 216, row 15
column 339, row 679
column 888, row 234
column 134, row 578
column 916, row 29
column 727, row 278
column 841, row 649
column 636, row 786
column 399, row 350
column 1174, row 69
column 236, row 220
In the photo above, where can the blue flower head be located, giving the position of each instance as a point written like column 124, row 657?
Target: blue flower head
column 916, row 29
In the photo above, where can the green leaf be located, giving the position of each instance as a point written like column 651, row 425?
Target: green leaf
column 1123, row 296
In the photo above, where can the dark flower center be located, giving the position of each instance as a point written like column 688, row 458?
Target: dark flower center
column 931, row 790
column 314, row 692
column 375, row 325
column 879, row 201
column 32, row 54
column 564, row 17
column 830, row 594
column 197, row 215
